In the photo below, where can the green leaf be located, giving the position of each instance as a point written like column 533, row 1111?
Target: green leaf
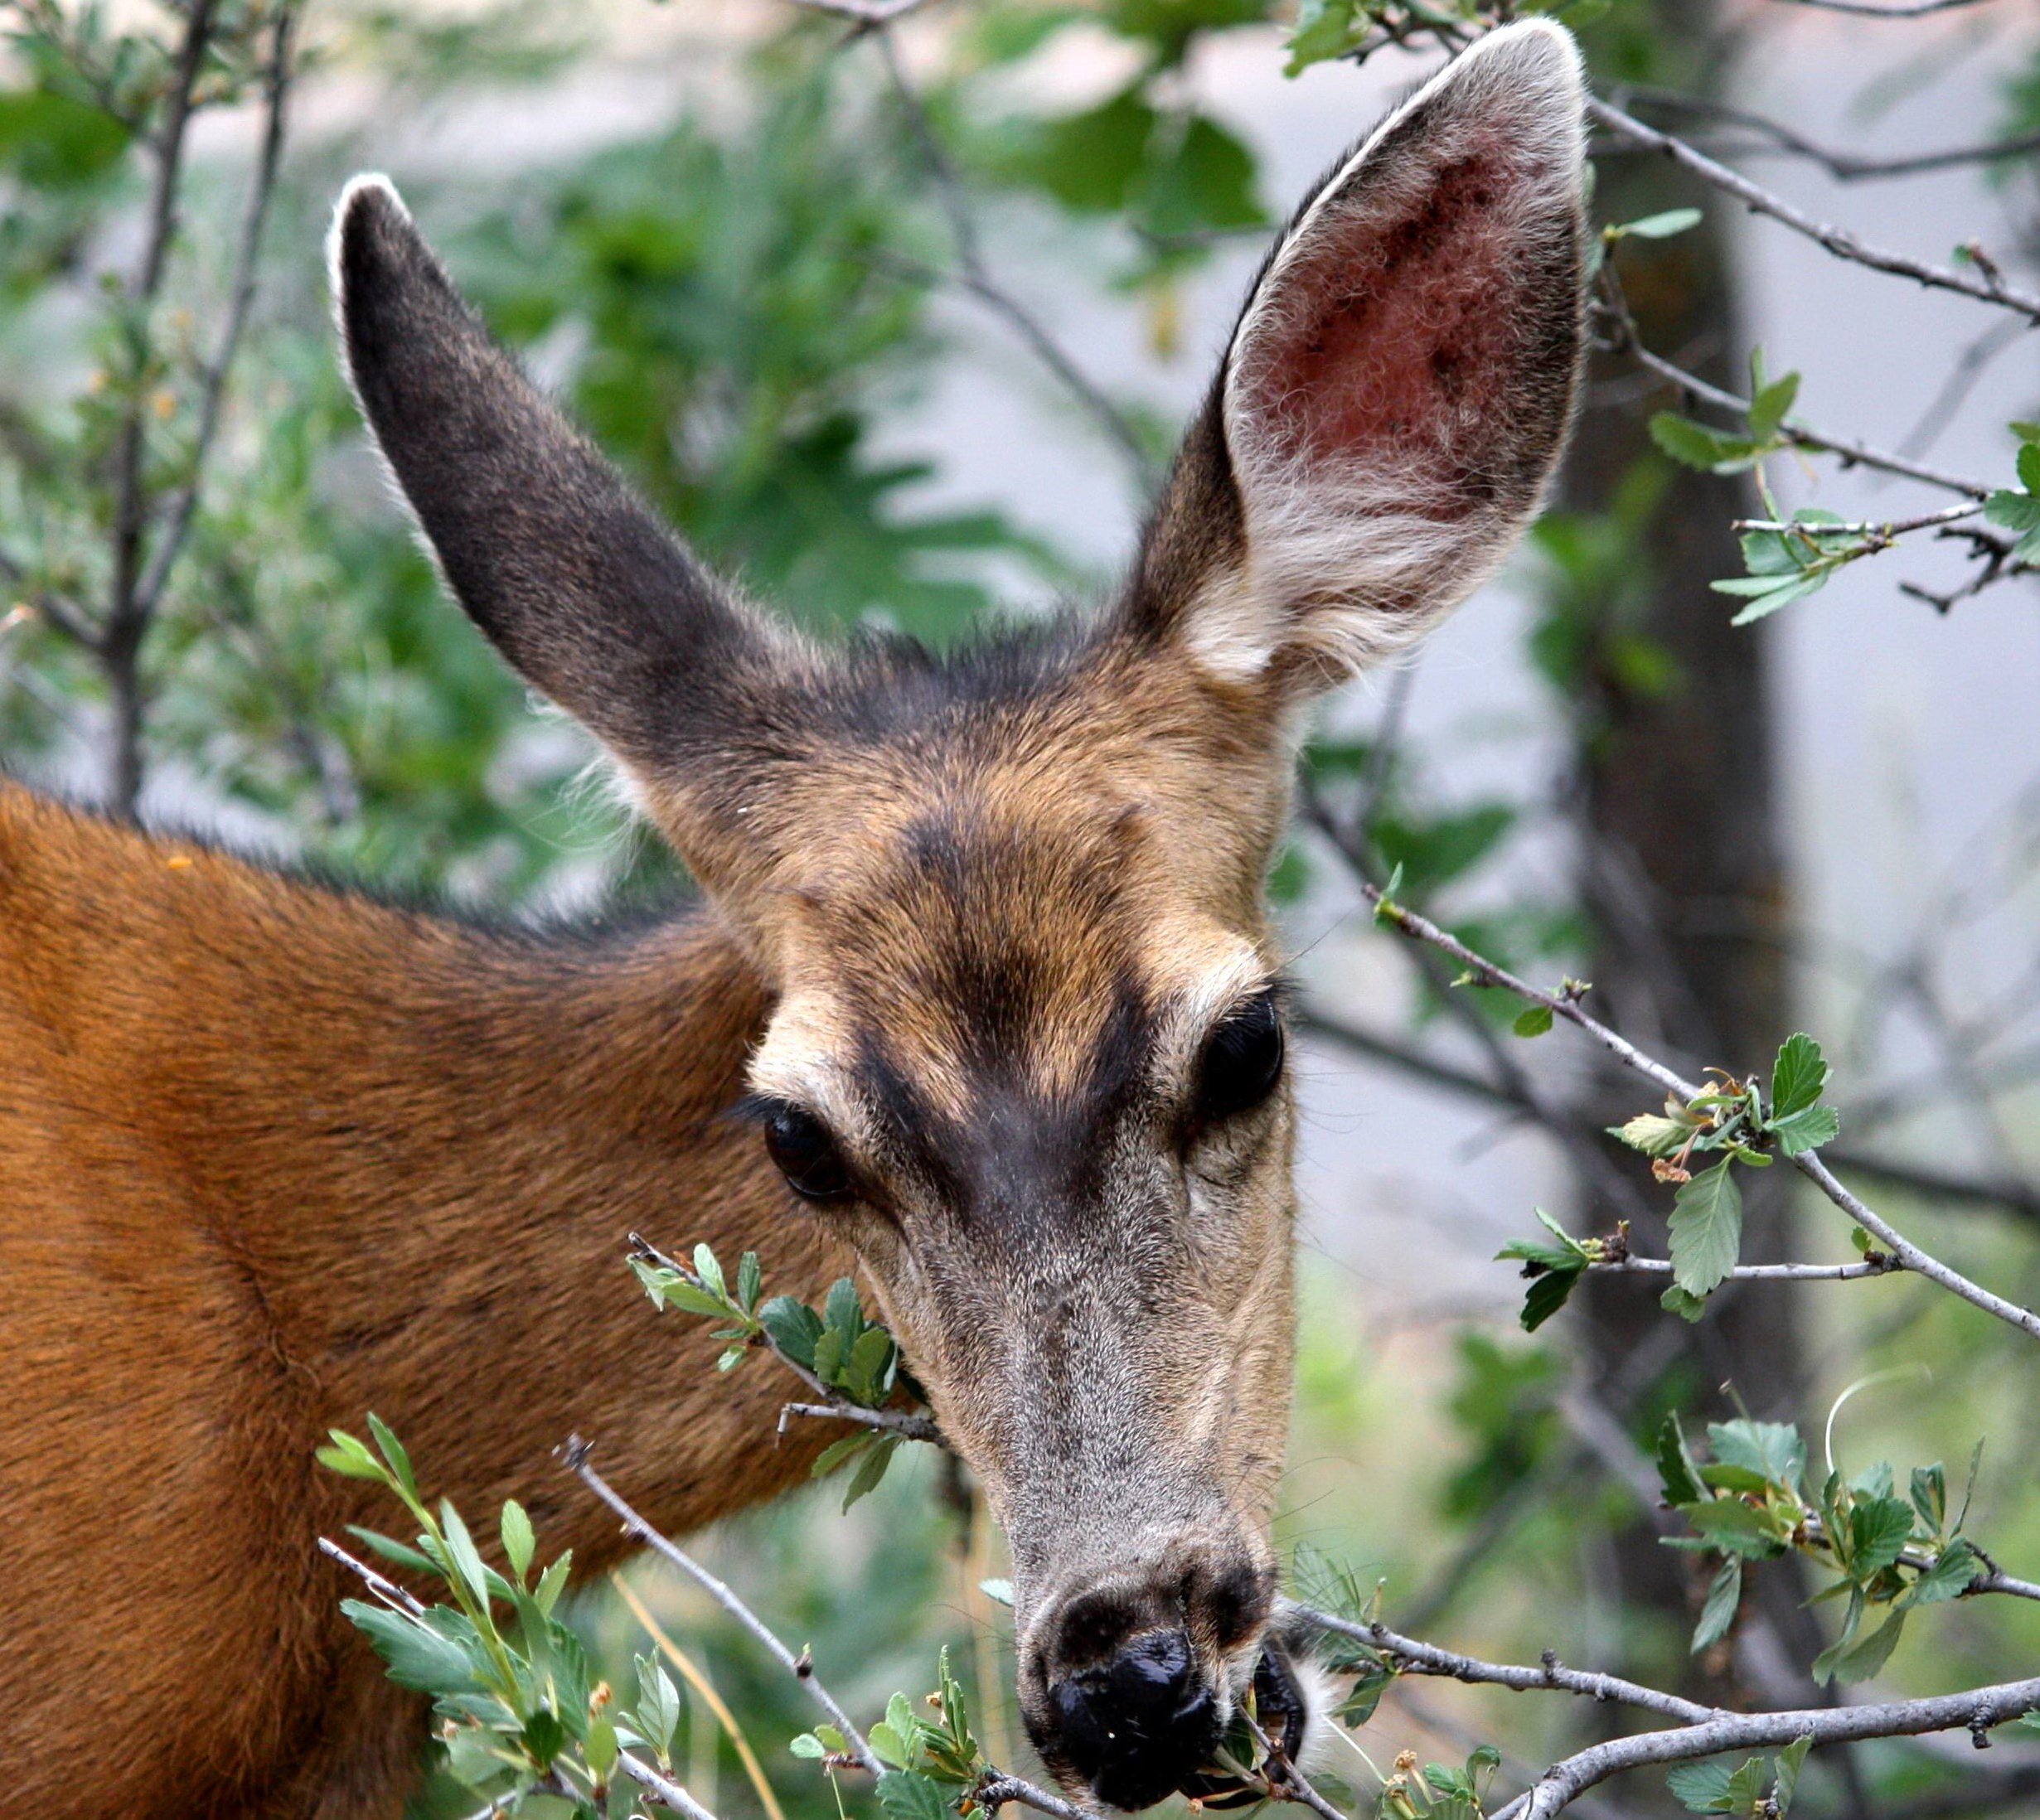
column 749, row 1280
column 1790, row 1761
column 1863, row 1659
column 462, row 1552
column 1533, row 1021
column 1732, row 1526
column 1653, row 1134
column 1879, row 1529
column 1772, row 1451
column 1798, row 1076
column 519, row 1543
column 2029, row 466
column 793, row 1327
column 905, row 1794
column 552, row 1583
column 658, row 1710
column 1724, row 1598
column 392, row 1450
column 871, row 1469
column 391, row 1550
column 688, row 1297
column 806, row 1745
column 842, row 1313
column 1766, row 601
column 544, row 1736
column 1930, row 1496
column 601, row 1747
column 710, row 1272
column 1948, row 1578
column 418, row 1655
column 999, row 1592
column 1706, row 1230
column 1701, row 1787
column 837, row 1452
column 1547, row 1293
column 1770, row 405
column 1694, row 445
column 1324, row 29
column 1676, row 1301
column 1806, row 1129
column 1676, row 1471
column 350, row 1458
column 890, row 1747
column 1657, row 227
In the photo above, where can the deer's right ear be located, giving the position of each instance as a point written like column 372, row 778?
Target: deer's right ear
column 584, row 590
column 1397, row 390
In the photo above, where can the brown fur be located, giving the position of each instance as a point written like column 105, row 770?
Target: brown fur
column 272, row 1155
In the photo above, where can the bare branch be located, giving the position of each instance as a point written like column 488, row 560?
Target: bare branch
column 1845, row 166
column 1990, row 287
column 177, row 519
column 974, row 273
column 867, row 14
column 575, row 1455
column 52, row 608
column 122, row 635
column 1878, row 1265
column 1409, row 1655
column 1976, row 1712
column 1869, row 9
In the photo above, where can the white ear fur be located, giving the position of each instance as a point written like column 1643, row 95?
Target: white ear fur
column 1351, row 552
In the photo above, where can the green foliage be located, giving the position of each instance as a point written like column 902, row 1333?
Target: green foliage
column 851, row 1356
column 1716, row 451
column 1439, row 1792
column 518, row 1712
column 1713, row 1787
column 1751, row 1501
column 2018, row 510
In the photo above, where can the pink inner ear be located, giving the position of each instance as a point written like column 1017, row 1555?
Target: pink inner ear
column 1396, row 338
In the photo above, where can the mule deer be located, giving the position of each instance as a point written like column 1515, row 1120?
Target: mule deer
column 985, row 954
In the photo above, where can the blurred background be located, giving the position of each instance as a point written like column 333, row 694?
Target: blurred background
column 899, row 326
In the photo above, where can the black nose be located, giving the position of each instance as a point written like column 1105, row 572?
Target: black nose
column 1136, row 1725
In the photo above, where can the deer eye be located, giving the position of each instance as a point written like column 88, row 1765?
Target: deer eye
column 1242, row 1061
column 807, row 1157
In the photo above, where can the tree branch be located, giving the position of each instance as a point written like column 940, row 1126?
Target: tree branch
column 1990, row 289
column 1565, row 1005
column 1845, row 166
column 1976, row 1710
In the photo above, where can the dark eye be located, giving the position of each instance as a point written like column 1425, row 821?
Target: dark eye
column 800, row 1144
column 1242, row 1062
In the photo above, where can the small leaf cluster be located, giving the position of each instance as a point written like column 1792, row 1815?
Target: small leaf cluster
column 1749, row 1502
column 2018, row 510
column 1555, row 1267
column 853, row 1358
column 1781, row 566
column 1332, row 1585
column 932, row 1764
column 1714, row 1787
column 1694, row 444
column 1742, row 1122
column 1438, row 1792
column 518, row 1710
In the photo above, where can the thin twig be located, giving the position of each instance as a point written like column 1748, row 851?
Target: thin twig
column 575, row 1455
column 1410, row 1656
column 241, row 297
column 119, row 640
column 1879, row 1266
column 1991, row 288
column 974, row 272
column 1566, row 1004
column 1845, row 166
column 1884, row 529
column 1867, row 9
column 52, row 608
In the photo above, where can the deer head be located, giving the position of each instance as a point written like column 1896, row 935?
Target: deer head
column 1026, row 1056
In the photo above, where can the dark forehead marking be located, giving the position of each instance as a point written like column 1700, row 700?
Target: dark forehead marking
column 1014, row 1149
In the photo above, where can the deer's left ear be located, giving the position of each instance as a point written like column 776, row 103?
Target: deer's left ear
column 1398, row 387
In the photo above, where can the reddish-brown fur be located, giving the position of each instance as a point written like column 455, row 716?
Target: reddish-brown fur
column 271, row 1156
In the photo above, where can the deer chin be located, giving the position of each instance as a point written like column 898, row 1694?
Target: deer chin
column 1290, row 1699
